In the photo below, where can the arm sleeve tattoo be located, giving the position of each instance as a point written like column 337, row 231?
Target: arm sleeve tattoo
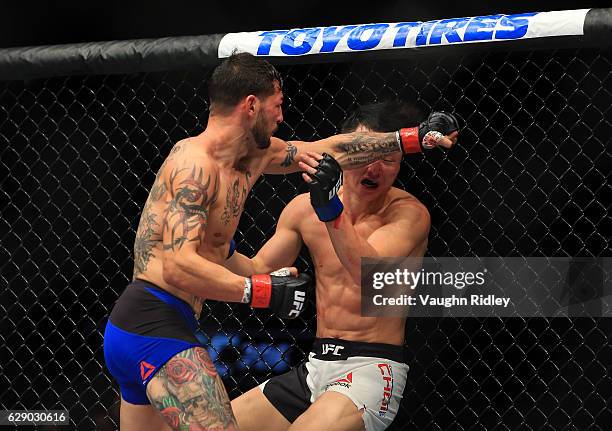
column 192, row 193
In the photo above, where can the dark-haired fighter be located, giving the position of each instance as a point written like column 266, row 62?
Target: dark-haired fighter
column 151, row 344
column 355, row 375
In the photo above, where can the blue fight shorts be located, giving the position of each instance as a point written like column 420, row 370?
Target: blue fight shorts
column 147, row 327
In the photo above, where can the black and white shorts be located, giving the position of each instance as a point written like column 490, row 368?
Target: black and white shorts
column 372, row 375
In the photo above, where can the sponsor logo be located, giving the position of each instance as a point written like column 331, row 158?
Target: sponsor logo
column 145, row 370
column 387, row 376
column 364, row 37
column 382, row 36
column 345, row 382
column 298, row 302
column 333, row 192
column 334, row 349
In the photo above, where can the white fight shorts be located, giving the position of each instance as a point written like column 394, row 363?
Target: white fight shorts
column 372, row 375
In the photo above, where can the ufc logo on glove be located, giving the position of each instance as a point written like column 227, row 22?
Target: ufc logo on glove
column 333, row 192
column 298, row 303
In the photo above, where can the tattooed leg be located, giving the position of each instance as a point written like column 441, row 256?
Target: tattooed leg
column 189, row 393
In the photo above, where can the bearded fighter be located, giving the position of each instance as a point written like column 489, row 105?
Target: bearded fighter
column 183, row 247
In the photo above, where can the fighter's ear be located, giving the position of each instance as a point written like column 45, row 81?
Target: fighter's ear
column 250, row 102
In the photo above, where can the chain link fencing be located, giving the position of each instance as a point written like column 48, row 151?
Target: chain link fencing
column 529, row 177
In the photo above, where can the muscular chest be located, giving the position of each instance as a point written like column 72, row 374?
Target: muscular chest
column 316, row 238
column 233, row 193
column 225, row 214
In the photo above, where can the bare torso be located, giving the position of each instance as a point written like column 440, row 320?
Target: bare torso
column 338, row 297
column 231, row 191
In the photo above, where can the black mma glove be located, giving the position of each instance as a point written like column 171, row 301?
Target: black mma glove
column 438, row 124
column 284, row 295
column 326, row 182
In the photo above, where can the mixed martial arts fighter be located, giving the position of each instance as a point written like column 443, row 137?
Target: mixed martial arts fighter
column 355, row 375
column 151, row 343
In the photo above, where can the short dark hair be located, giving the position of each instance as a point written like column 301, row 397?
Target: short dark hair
column 239, row 76
column 387, row 116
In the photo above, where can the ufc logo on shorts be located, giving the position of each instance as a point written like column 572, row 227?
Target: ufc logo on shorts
column 298, row 303
column 333, row 192
column 332, row 348
column 387, row 376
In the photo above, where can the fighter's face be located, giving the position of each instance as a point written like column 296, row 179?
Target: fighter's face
column 268, row 117
column 376, row 178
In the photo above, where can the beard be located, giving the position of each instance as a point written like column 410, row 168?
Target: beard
column 261, row 134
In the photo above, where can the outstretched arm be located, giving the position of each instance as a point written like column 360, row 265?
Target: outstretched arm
column 353, row 150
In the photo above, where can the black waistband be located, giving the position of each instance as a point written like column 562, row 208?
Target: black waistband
column 146, row 309
column 164, row 294
column 334, row 349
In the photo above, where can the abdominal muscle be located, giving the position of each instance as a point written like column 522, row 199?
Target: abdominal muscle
column 339, row 314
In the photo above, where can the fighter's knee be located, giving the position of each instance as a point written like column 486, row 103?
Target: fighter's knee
column 333, row 411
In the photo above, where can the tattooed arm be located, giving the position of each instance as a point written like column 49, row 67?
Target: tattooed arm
column 193, row 190
column 356, row 149
column 351, row 150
